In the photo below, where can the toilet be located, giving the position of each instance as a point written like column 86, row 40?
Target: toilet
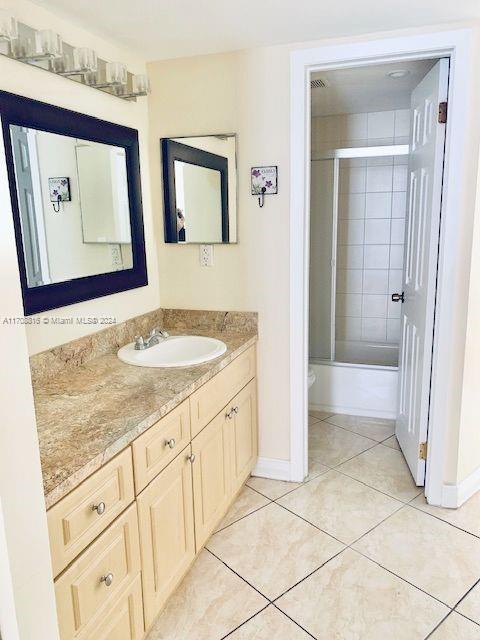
column 310, row 377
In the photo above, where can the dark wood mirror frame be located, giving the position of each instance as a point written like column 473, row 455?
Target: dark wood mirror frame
column 173, row 150
column 24, row 112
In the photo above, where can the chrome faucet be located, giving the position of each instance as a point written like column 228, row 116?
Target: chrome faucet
column 154, row 338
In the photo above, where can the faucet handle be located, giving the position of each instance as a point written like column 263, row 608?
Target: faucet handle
column 139, row 343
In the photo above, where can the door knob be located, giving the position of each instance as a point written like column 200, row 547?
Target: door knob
column 398, row 297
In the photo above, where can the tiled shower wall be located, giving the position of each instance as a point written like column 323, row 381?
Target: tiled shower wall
column 371, row 225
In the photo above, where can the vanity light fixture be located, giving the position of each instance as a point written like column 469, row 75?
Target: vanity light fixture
column 44, row 45
column 78, row 62
column 140, row 87
column 46, row 50
column 8, row 27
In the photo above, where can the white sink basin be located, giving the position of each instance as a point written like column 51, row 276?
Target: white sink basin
column 174, row 351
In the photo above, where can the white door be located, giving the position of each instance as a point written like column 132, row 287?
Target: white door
column 425, row 171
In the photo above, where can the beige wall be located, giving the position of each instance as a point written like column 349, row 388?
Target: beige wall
column 248, row 92
column 35, row 83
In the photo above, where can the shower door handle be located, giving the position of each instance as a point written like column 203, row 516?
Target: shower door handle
column 398, row 297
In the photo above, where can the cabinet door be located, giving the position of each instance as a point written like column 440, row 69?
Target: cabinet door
column 212, row 485
column 243, row 418
column 167, row 541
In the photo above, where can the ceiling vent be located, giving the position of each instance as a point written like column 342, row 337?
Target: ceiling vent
column 318, row 84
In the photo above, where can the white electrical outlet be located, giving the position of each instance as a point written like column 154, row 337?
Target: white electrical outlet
column 206, row 255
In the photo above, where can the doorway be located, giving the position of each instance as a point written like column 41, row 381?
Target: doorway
column 304, row 65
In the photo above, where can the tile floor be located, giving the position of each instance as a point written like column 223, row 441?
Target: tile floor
column 353, row 553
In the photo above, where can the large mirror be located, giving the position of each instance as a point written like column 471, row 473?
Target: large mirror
column 200, row 189
column 75, row 187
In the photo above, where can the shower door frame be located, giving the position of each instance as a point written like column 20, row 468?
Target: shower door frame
column 455, row 241
column 348, row 153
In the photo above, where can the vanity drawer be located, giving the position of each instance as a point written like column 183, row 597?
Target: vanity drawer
column 74, row 522
column 90, row 591
column 158, row 446
column 210, row 399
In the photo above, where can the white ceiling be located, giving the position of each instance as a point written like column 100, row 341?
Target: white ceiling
column 173, row 28
column 363, row 89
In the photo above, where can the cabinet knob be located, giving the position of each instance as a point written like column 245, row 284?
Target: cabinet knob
column 229, row 414
column 191, row 457
column 235, row 409
column 107, row 579
column 99, row 508
column 170, row 443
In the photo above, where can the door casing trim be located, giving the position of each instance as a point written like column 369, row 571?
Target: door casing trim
column 455, row 235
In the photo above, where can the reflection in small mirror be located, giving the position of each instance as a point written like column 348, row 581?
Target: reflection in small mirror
column 200, row 189
column 74, row 206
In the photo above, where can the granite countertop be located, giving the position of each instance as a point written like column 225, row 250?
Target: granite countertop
column 89, row 413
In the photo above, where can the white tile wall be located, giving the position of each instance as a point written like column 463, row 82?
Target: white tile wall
column 371, row 226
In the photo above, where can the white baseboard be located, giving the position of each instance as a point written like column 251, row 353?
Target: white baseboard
column 272, row 468
column 454, row 495
column 370, row 413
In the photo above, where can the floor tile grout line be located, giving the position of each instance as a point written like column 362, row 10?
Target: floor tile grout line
column 432, row 515
column 306, row 577
column 242, row 518
column 465, row 616
column 438, row 625
column 330, row 424
column 466, row 594
column 293, row 620
column 246, row 621
column 377, row 525
column 239, row 576
column 389, row 495
column 311, row 524
column 401, row 578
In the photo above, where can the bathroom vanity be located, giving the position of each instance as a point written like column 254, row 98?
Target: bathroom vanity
column 136, row 486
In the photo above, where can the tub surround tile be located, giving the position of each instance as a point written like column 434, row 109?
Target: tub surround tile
column 351, row 598
column 375, row 428
column 267, row 625
column 272, row 489
column 456, row 627
column 246, row 502
column 430, row 554
column 79, row 423
column 206, row 604
column 340, row 506
column 282, row 549
column 384, row 469
column 470, row 605
column 331, row 445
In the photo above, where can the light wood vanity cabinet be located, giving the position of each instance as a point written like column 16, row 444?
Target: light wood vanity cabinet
column 188, row 468
column 212, row 476
column 165, row 515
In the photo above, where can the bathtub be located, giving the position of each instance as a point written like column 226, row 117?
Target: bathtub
column 353, row 388
column 357, row 352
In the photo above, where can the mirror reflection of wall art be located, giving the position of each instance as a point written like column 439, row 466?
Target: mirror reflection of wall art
column 264, row 182
column 59, row 189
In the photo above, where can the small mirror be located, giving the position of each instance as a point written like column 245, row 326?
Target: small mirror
column 200, row 189
column 76, row 201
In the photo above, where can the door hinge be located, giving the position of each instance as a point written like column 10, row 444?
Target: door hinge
column 442, row 112
column 422, row 452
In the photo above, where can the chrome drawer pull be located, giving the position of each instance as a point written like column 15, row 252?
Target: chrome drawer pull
column 170, row 443
column 107, row 579
column 99, row 508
